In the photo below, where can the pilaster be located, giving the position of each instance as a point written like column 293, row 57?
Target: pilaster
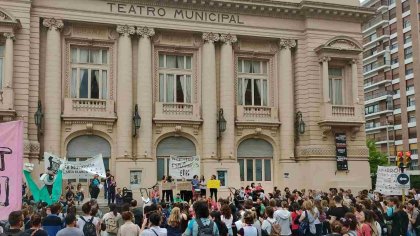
column 124, row 92
column 227, row 95
column 52, row 108
column 209, row 93
column 144, row 92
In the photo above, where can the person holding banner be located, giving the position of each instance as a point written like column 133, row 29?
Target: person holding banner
column 203, row 186
column 94, row 187
column 195, row 187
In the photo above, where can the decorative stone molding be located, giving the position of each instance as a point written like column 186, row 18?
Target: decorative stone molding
column 287, row 43
column 228, row 38
column 257, row 128
column 325, row 59
column 89, row 124
column 343, row 44
column 353, row 61
column 53, row 24
column 177, row 127
column 325, row 131
column 35, row 148
column 330, row 152
column 4, row 17
column 210, row 37
column 9, row 36
column 353, row 131
column 126, row 30
column 144, row 31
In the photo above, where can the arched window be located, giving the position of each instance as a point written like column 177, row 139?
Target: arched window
column 178, row 146
column 86, row 146
column 255, row 157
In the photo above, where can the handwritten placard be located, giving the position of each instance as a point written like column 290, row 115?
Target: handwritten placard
column 386, row 180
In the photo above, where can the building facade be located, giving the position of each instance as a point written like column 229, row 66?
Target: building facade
column 181, row 65
column 390, row 68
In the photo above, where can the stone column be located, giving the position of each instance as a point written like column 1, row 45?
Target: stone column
column 52, row 108
column 144, row 91
column 354, row 81
column 286, row 99
column 227, row 95
column 124, row 92
column 209, row 93
column 325, row 79
column 8, row 60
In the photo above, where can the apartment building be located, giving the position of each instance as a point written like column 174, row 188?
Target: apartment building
column 390, row 68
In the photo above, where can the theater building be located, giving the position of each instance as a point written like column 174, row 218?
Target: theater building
column 283, row 77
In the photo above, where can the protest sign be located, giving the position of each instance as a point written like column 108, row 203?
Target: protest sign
column 386, row 180
column 184, row 186
column 213, row 183
column 168, row 186
column 184, row 167
column 11, row 164
column 72, row 169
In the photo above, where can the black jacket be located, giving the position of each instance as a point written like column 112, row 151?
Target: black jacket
column 399, row 223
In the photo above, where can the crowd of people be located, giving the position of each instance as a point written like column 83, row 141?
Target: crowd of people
column 248, row 211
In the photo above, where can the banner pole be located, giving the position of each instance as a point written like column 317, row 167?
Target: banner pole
column 403, row 196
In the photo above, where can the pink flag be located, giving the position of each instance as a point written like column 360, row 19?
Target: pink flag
column 11, row 164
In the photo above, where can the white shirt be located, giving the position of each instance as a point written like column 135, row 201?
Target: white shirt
column 159, row 231
column 81, row 223
column 266, row 224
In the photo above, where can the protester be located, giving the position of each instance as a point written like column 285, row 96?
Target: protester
column 80, row 196
column 270, row 224
column 15, row 220
column 53, row 223
column 398, row 217
column 152, row 223
column 88, row 224
column 71, row 229
column 111, row 189
column 174, row 222
column 248, row 229
column 213, row 191
column 128, row 228
column 110, row 221
column 201, row 224
column 284, row 218
column 94, row 187
column 221, row 226
column 36, row 229
column 137, row 213
column 203, row 187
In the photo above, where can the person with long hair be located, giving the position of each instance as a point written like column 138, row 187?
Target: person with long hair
column 308, row 215
column 109, row 219
column 174, row 222
column 128, row 228
column 248, row 229
column 336, row 228
column 213, row 191
column 216, row 217
column 227, row 217
column 367, row 225
column 296, row 212
column 394, row 212
column 349, row 223
column 80, row 196
column 203, row 187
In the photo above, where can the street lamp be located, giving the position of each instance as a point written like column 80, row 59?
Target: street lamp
column 136, row 120
column 300, row 124
column 221, row 123
column 38, row 117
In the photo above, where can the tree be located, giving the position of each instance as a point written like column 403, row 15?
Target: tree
column 376, row 158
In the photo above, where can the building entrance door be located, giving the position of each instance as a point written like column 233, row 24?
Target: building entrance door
column 84, row 147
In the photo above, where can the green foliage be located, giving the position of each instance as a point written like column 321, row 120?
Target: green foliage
column 415, row 181
column 376, row 158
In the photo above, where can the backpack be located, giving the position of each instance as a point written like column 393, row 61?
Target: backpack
column 89, row 229
column 275, row 229
column 205, row 230
column 304, row 225
column 111, row 225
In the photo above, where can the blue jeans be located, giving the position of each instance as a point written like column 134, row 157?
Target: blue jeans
column 105, row 191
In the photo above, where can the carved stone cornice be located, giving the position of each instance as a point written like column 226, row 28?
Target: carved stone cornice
column 228, row 38
column 324, row 59
column 144, row 31
column 9, row 35
column 210, row 37
column 287, row 43
column 126, row 30
column 53, row 24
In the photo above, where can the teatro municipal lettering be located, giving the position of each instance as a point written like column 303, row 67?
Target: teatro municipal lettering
column 181, row 14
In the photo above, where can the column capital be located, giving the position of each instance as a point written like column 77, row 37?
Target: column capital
column 353, row 61
column 324, row 59
column 287, row 43
column 210, row 37
column 9, row 36
column 126, row 30
column 144, row 31
column 53, row 24
column 228, row 38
